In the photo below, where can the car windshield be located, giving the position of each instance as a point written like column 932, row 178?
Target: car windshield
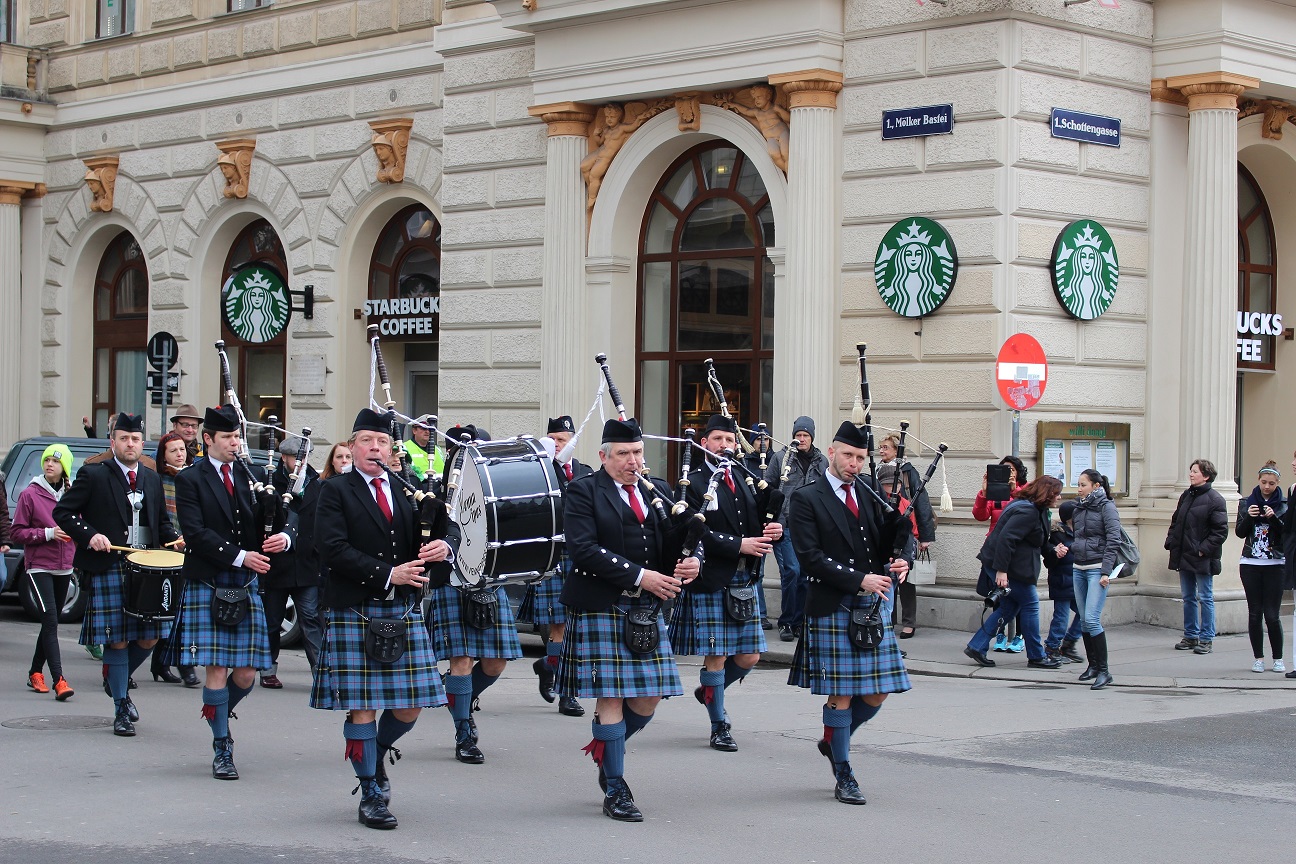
column 28, row 465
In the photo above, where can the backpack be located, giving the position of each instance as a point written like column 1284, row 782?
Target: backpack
column 1127, row 557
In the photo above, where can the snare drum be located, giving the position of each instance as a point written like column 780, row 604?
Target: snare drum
column 509, row 510
column 151, row 584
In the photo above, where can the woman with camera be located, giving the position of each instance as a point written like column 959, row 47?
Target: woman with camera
column 987, row 508
column 1013, row 551
column 1097, row 537
column 1260, row 525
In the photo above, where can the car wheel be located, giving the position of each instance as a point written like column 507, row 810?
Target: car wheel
column 290, row 632
column 73, row 608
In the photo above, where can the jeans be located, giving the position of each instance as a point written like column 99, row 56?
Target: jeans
column 1198, row 598
column 306, row 602
column 1090, row 598
column 1263, row 584
column 793, row 583
column 1058, row 629
column 50, row 591
column 1021, row 601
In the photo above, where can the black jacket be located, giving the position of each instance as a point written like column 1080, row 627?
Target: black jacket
column 215, row 527
column 1017, row 542
column 834, row 554
column 96, row 504
column 923, row 516
column 1246, row 525
column 734, row 518
column 300, row 565
column 1197, row 532
column 1060, row 585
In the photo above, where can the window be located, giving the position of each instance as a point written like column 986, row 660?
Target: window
column 120, row 331
column 259, row 368
column 1257, row 277
column 7, row 20
column 240, row 5
column 406, row 268
column 706, row 290
column 115, row 18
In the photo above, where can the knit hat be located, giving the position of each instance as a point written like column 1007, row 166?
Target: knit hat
column 803, row 424
column 63, row 454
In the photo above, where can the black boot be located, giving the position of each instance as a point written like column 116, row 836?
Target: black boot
column 160, row 672
column 847, row 791
column 722, row 738
column 122, row 723
column 223, row 763
column 546, row 675
column 466, row 749
column 1091, row 671
column 373, row 810
column 1068, row 652
column 1103, row 677
column 618, row 803
column 189, row 676
column 570, row 707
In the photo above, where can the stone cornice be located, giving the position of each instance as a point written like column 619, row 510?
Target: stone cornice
column 11, row 194
column 1212, row 90
column 1163, row 93
column 565, row 118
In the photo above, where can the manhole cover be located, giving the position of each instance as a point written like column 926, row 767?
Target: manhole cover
column 1040, row 687
column 61, row 723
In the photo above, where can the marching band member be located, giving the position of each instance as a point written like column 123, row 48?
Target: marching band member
column 97, row 511
column 368, row 535
column 704, row 621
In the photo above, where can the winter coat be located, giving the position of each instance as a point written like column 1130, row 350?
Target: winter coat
column 984, row 509
column 1252, row 528
column 1097, row 531
column 1197, row 532
column 33, row 527
column 1289, row 543
column 1061, row 588
column 1016, row 543
column 797, row 475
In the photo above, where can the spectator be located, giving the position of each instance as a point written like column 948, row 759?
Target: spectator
column 803, row 462
column 1289, row 550
column 1260, row 525
column 921, row 515
column 1062, row 638
column 339, row 461
column 185, row 423
column 425, row 460
column 1013, row 551
column 172, row 456
column 1196, row 542
column 1097, row 537
column 47, row 557
column 984, row 510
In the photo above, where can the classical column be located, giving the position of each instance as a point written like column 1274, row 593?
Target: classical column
column 807, row 360
column 564, row 370
column 11, row 301
column 1208, row 378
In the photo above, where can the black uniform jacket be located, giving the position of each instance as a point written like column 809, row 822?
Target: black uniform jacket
column 734, row 518
column 300, row 565
column 834, row 550
column 360, row 547
column 96, row 504
column 217, row 527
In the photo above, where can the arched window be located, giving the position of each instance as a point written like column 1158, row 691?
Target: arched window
column 706, row 289
column 258, row 367
column 405, row 290
column 1257, row 276
column 121, row 297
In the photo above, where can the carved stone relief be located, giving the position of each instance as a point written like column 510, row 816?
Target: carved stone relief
column 391, row 142
column 612, row 126
column 236, row 165
column 1275, row 111
column 102, row 180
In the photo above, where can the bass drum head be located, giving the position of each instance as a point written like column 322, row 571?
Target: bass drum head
column 470, row 515
column 151, row 593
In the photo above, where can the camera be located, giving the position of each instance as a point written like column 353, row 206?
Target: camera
column 995, row 597
column 998, row 482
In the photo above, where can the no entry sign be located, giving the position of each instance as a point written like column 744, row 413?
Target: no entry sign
column 1021, row 371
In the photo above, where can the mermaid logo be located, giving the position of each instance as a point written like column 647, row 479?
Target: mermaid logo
column 1085, row 269
column 915, row 267
column 257, row 306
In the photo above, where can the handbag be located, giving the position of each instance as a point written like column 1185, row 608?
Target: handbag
column 1127, row 556
column 641, row 633
column 480, row 609
column 385, row 640
column 866, row 628
column 740, row 602
column 923, row 571
column 230, row 606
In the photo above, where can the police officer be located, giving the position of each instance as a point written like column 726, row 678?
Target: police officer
column 426, row 460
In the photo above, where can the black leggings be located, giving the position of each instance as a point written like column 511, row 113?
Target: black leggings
column 51, row 591
column 1263, row 585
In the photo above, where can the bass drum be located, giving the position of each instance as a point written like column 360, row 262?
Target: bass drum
column 151, row 584
column 508, row 507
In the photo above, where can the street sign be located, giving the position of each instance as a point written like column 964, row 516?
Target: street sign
column 163, row 352
column 153, row 381
column 1021, row 372
column 1087, row 128
column 917, row 122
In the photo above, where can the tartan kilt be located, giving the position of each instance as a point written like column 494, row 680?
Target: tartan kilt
column 595, row 662
column 827, row 662
column 248, row 644
column 542, row 604
column 105, row 620
column 453, row 638
column 701, row 626
column 345, row 677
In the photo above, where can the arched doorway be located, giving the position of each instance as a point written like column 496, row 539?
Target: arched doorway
column 706, row 290
column 1257, row 300
column 259, row 368
column 121, row 297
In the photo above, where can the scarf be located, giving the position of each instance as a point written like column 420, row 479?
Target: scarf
column 1258, row 499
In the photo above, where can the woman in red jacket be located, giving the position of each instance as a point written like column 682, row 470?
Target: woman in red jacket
column 47, row 556
column 984, row 510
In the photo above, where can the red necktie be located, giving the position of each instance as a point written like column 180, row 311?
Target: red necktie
column 729, row 482
column 634, row 502
column 568, row 469
column 850, row 501
column 382, row 499
column 130, row 478
column 229, row 481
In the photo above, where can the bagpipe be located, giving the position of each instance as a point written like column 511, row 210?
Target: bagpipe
column 769, row 499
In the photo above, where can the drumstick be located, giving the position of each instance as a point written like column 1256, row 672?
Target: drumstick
column 132, row 548
column 175, row 542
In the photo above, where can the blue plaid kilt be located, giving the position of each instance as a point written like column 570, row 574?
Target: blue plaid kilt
column 542, row 604
column 452, row 638
column 595, row 662
column 701, row 626
column 105, row 621
column 345, row 677
column 827, row 662
column 198, row 641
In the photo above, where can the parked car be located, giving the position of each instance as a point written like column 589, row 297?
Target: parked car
column 22, row 464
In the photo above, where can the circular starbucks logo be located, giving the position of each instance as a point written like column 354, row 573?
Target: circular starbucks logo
column 915, row 267
column 1085, row 269
column 256, row 303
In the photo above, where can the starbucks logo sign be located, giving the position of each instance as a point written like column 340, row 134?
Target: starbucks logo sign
column 915, row 267
column 256, row 303
column 1085, row 269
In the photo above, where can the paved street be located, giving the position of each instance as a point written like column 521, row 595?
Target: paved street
column 956, row 769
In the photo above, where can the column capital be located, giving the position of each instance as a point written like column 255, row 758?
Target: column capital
column 1212, row 89
column 565, row 118
column 1162, row 92
column 12, row 191
column 811, row 88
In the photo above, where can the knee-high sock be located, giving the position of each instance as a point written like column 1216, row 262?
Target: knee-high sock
column 459, row 690
column 552, row 650
column 390, row 729
column 236, row 693
column 608, row 748
column 480, row 680
column 633, row 722
column 713, row 694
column 116, row 661
column 837, row 729
column 361, row 748
column 136, row 655
column 862, row 712
column 733, row 672
column 216, row 711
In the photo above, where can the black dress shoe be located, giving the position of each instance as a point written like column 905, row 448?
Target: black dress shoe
column 848, row 790
column 131, row 711
column 786, row 634
column 164, row 674
column 1045, row 662
column 766, row 624
column 569, row 706
column 131, row 685
column 122, row 723
column 223, row 763
column 373, row 810
column 980, row 658
column 618, row 803
column 721, row 739
column 466, row 751
column 189, row 676
column 1101, row 680
column 546, row 675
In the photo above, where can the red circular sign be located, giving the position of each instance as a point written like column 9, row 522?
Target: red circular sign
column 1021, row 371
